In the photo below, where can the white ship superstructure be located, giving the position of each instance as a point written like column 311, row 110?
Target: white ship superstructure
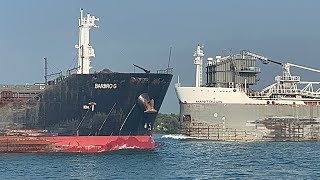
column 85, row 50
column 227, row 108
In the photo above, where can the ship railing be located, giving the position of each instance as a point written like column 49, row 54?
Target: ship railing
column 275, row 92
column 286, row 91
column 290, row 129
column 260, row 94
column 310, row 94
column 288, row 78
column 278, row 91
column 165, row 71
column 217, row 133
column 296, row 92
column 22, row 87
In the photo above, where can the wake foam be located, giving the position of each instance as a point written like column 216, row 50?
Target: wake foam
column 125, row 146
column 177, row 136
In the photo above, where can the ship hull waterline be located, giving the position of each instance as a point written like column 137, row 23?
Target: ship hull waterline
column 74, row 144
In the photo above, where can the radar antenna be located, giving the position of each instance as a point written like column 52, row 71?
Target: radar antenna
column 169, row 57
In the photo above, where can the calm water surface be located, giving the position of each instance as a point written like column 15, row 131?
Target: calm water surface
column 175, row 159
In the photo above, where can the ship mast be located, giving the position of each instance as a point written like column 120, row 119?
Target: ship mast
column 198, row 57
column 85, row 51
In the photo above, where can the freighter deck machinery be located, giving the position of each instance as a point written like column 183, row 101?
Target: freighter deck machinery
column 226, row 108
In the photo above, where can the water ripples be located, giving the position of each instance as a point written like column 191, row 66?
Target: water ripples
column 175, row 159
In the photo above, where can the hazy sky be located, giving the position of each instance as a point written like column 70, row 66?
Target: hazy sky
column 141, row 32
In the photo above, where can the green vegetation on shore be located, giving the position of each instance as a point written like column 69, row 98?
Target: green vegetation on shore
column 166, row 124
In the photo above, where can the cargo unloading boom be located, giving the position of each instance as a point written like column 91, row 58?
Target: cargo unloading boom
column 230, row 104
column 286, row 85
column 303, row 67
column 265, row 60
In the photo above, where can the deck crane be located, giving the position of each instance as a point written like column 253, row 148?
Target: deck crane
column 263, row 59
column 287, row 84
column 286, row 66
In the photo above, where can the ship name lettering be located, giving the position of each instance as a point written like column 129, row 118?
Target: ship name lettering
column 105, row 86
column 208, row 101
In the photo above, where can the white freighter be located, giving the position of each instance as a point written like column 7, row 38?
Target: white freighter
column 226, row 108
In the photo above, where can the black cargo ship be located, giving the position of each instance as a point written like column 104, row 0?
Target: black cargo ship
column 92, row 104
column 86, row 104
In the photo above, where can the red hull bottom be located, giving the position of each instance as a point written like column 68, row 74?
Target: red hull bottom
column 84, row 144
